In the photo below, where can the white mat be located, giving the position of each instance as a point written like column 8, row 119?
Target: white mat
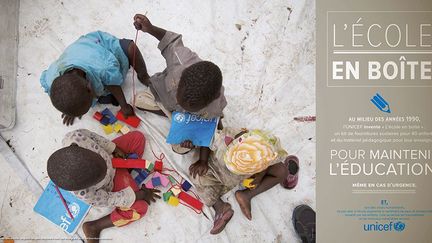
column 266, row 51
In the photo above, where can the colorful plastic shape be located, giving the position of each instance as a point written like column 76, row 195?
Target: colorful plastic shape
column 117, row 127
column 158, row 166
column 167, row 195
column 105, row 120
column 133, row 121
column 191, row 201
column 124, row 130
column 164, row 180
column 128, row 163
column 173, row 201
column 97, row 115
column 186, row 186
column 149, row 184
column 132, row 156
column 247, row 183
column 175, row 191
column 156, row 181
column 108, row 129
column 173, row 181
column 150, row 167
column 139, row 175
column 107, row 113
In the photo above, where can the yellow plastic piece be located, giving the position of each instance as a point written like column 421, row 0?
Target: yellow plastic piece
column 117, row 127
column 247, row 183
column 173, row 201
column 108, row 129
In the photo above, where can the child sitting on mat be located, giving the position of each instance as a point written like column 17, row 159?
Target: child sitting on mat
column 237, row 155
column 188, row 84
column 84, row 167
column 94, row 66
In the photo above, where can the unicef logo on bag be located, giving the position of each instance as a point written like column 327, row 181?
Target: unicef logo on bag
column 179, row 117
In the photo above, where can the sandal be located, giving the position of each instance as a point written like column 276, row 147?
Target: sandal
column 304, row 220
column 292, row 164
column 177, row 148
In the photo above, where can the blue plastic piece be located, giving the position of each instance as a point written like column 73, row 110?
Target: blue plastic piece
column 107, row 113
column 132, row 156
column 186, row 186
column 156, row 181
column 142, row 175
column 105, row 121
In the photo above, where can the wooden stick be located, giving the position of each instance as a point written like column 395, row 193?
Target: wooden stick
column 64, row 202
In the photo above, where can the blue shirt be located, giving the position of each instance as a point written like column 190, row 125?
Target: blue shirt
column 98, row 54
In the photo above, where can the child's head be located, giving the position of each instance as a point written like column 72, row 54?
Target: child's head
column 199, row 85
column 74, row 168
column 71, row 94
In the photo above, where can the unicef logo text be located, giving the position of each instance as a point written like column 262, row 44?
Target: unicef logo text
column 391, row 226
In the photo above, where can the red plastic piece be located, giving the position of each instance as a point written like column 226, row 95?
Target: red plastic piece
column 128, row 163
column 97, row 115
column 158, row 166
column 191, row 201
column 133, row 121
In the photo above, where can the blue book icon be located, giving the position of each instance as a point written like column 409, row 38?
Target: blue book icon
column 186, row 126
column 381, row 103
column 51, row 207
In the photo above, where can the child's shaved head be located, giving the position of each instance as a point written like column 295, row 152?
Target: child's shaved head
column 199, row 85
column 71, row 95
column 74, row 168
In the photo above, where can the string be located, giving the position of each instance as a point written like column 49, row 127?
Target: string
column 160, row 158
column 133, row 72
column 162, row 155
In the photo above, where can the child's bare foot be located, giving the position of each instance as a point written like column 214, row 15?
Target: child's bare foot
column 223, row 215
column 91, row 231
column 244, row 202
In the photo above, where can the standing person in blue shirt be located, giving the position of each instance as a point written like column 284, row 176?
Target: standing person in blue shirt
column 92, row 69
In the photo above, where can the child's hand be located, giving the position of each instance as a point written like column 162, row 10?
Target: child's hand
column 198, row 168
column 148, row 195
column 68, row 120
column 141, row 22
column 118, row 153
column 127, row 110
column 187, row 144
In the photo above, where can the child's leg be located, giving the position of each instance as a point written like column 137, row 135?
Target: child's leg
column 275, row 174
column 131, row 142
column 139, row 64
column 120, row 216
column 92, row 229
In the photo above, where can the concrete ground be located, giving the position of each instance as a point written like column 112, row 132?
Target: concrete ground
column 266, row 50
